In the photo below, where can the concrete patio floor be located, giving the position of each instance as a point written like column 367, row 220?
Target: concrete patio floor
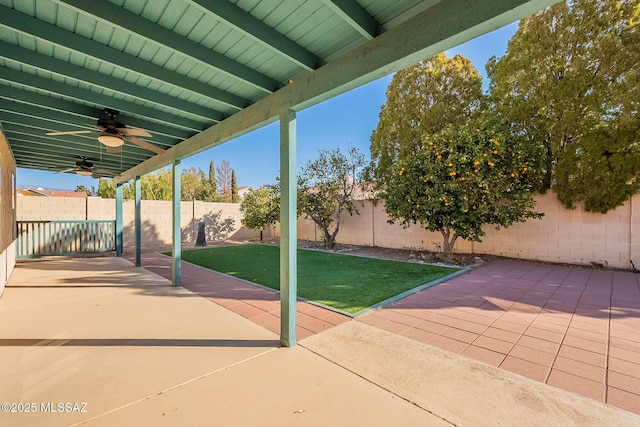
column 571, row 327
column 138, row 352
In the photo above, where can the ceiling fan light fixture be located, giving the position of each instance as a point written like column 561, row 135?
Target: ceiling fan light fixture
column 110, row 140
column 84, row 172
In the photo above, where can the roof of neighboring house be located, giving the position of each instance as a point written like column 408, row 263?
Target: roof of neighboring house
column 39, row 191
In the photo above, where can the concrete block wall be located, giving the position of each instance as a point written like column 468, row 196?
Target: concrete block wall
column 223, row 220
column 566, row 236
column 562, row 235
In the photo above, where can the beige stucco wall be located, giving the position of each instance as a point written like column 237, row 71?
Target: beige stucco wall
column 566, row 236
column 223, row 220
column 7, row 211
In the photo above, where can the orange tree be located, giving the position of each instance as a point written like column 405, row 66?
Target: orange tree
column 463, row 177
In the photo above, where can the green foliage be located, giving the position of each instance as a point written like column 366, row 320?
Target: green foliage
column 326, row 188
column 570, row 81
column 195, row 185
column 421, row 100
column 234, row 187
column 261, row 207
column 602, row 170
column 106, row 189
column 83, row 189
column 191, row 184
column 463, row 177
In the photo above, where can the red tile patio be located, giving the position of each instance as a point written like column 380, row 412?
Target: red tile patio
column 261, row 306
column 574, row 328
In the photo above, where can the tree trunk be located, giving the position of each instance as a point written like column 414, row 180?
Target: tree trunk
column 329, row 239
column 449, row 241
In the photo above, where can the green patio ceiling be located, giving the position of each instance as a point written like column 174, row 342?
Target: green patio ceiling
column 196, row 73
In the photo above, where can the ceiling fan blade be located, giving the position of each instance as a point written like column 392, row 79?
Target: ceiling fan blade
column 71, row 132
column 134, row 132
column 144, row 144
column 66, row 170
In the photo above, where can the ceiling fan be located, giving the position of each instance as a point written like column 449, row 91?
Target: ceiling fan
column 85, row 167
column 113, row 133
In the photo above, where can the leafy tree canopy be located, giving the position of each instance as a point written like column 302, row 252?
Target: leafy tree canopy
column 261, row 207
column 421, row 100
column 570, row 81
column 195, row 185
column 326, row 189
column 463, row 177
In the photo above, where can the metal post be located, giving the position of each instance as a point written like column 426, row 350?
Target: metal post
column 119, row 222
column 176, row 254
column 288, row 230
column 138, row 219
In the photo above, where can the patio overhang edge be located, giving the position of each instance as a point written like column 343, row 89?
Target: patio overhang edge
column 432, row 31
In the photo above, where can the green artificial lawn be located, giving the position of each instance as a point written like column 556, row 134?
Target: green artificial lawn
column 346, row 282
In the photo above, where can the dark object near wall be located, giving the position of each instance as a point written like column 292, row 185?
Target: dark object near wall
column 201, row 239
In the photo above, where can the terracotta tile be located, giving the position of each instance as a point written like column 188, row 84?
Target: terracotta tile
column 372, row 319
column 627, row 336
column 624, row 382
column 303, row 318
column 265, row 305
column 624, row 354
column 465, row 325
column 418, row 334
column 581, row 369
column 525, row 367
column 334, row 318
column 459, row 335
column 624, row 367
column 522, row 319
column 318, row 325
column 442, row 319
column 549, row 327
column 580, row 355
column 623, row 399
column 544, row 335
column 587, row 335
column 478, row 319
column 303, row 333
column 501, row 334
column 448, row 344
column 624, row 344
column 493, row 344
column 305, row 307
column 264, row 318
column 509, row 326
column 399, row 318
column 453, row 312
column 592, row 389
column 433, row 327
column 585, row 344
column 539, row 344
column 246, row 310
column 394, row 327
column 536, row 356
column 484, row 355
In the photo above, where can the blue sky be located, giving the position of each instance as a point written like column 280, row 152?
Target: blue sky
column 344, row 121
